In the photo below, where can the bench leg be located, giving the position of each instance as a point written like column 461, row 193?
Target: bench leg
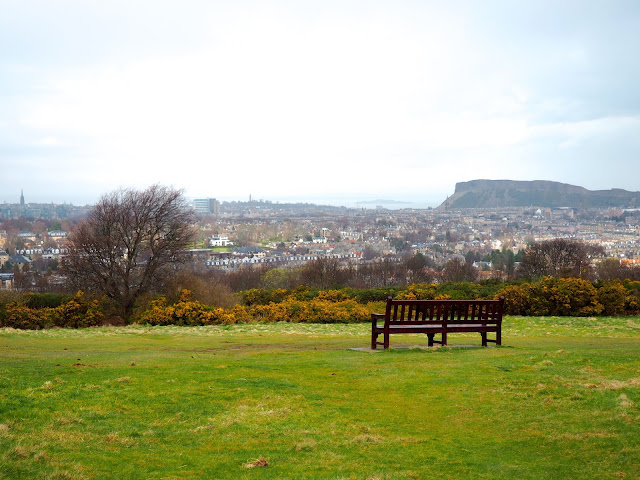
column 444, row 339
column 386, row 341
column 374, row 336
column 430, row 336
column 499, row 337
column 484, row 338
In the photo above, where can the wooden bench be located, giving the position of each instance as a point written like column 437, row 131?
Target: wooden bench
column 438, row 316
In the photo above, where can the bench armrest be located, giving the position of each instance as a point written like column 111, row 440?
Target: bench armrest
column 375, row 317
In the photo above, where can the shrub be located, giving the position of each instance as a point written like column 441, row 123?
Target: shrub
column 263, row 296
column 76, row 312
column 517, row 299
column 19, row 316
column 632, row 300
column 333, row 295
column 304, row 292
column 461, row 291
column 419, row 292
column 612, row 297
column 378, row 294
column 46, row 300
column 572, row 296
column 313, row 311
column 187, row 312
column 552, row 296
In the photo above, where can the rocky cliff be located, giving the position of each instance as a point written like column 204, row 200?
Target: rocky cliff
column 538, row 193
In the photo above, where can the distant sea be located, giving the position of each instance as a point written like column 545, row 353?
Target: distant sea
column 390, row 204
column 358, row 202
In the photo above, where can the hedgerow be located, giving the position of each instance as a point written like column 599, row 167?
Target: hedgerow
column 190, row 312
column 548, row 296
column 328, row 307
column 75, row 312
column 567, row 296
column 316, row 310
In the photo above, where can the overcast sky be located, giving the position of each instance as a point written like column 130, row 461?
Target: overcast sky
column 326, row 101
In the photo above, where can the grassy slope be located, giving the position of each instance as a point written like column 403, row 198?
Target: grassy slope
column 560, row 400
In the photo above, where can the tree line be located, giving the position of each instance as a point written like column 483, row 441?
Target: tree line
column 133, row 245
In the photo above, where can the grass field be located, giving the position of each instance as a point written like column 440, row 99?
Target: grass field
column 561, row 399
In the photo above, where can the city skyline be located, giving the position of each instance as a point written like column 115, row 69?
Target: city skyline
column 338, row 103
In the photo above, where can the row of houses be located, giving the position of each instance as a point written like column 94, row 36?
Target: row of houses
column 23, row 256
column 47, row 253
column 232, row 261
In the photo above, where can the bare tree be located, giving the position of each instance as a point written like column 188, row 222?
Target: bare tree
column 128, row 243
column 558, row 258
column 324, row 273
column 369, row 253
column 457, row 270
column 419, row 268
column 611, row 269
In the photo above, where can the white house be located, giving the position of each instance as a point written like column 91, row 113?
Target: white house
column 219, row 241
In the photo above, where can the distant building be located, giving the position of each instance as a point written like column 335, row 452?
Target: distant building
column 6, row 280
column 4, row 257
column 19, row 260
column 253, row 251
column 27, row 236
column 206, row 206
column 219, row 241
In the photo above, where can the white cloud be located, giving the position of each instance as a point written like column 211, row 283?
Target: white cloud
column 50, row 142
column 295, row 101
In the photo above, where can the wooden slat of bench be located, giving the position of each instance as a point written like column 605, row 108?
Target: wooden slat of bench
column 414, row 327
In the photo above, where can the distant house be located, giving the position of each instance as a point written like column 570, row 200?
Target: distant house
column 6, row 280
column 27, row 236
column 4, row 256
column 219, row 241
column 57, row 234
column 485, row 266
column 19, row 260
column 53, row 253
column 252, row 251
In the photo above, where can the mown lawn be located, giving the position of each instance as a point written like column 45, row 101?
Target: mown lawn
column 561, row 399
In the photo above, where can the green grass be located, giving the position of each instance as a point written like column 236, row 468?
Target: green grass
column 560, row 399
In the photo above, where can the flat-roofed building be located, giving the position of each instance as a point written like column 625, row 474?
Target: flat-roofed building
column 206, row 206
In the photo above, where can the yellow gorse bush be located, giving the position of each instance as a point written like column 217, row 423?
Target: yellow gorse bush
column 328, row 309
column 563, row 296
column 189, row 312
column 311, row 311
column 75, row 313
column 548, row 296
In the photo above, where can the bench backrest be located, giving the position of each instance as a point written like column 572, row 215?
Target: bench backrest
column 421, row 312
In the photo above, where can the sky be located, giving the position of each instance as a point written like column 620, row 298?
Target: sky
column 334, row 102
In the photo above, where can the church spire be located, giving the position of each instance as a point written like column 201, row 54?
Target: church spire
column 22, row 197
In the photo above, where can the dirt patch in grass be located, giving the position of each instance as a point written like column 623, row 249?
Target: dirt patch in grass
column 615, row 384
column 259, row 463
column 306, row 444
column 366, row 438
column 618, row 384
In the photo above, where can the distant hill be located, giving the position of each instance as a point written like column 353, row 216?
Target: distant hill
column 538, row 193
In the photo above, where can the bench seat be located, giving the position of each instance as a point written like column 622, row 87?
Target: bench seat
column 442, row 317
